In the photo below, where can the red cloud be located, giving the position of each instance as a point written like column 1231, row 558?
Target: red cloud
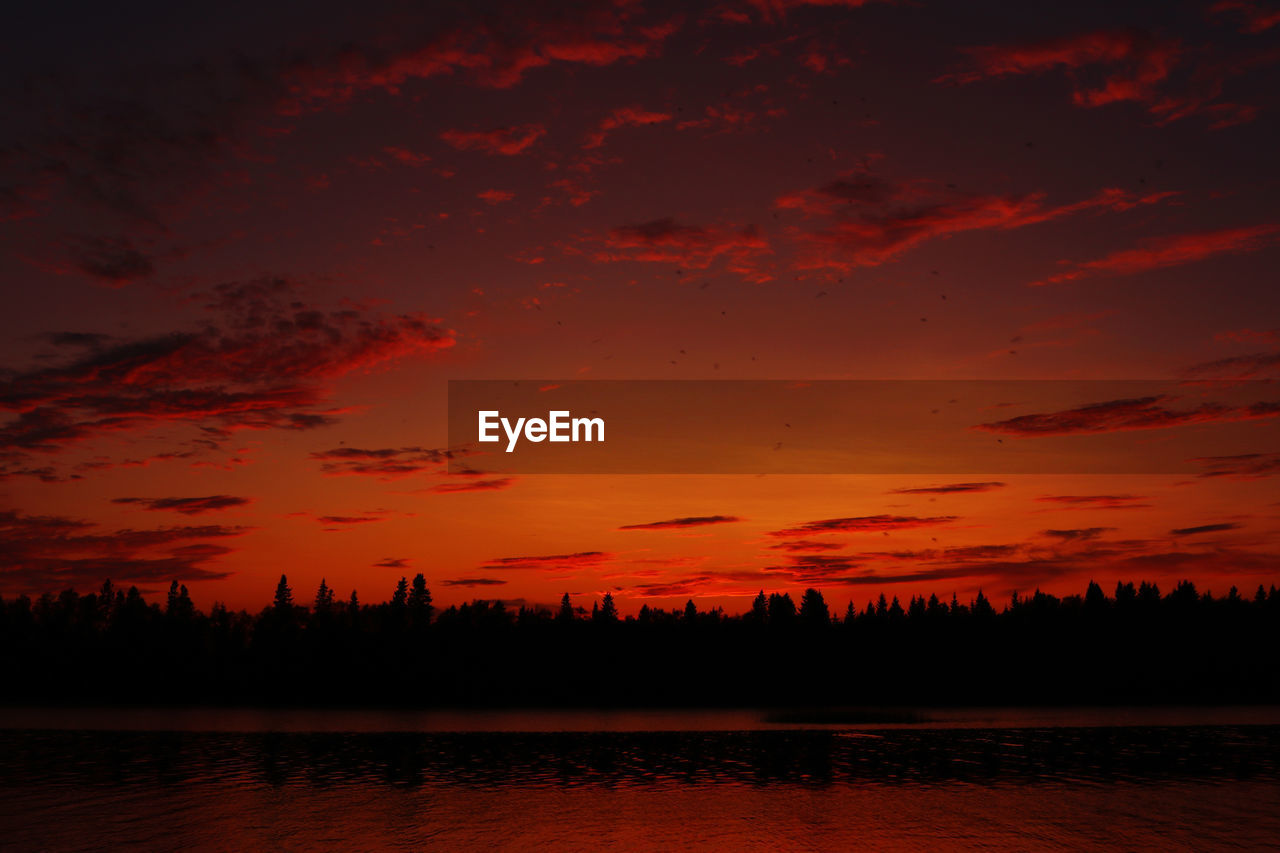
column 1137, row 63
column 1135, row 67
column 495, row 196
column 1174, row 251
column 623, row 117
column 508, row 141
column 405, row 156
column 874, row 221
column 186, row 506
column 1256, row 16
column 1118, row 415
column 726, row 118
column 862, row 524
column 688, row 521
column 690, row 246
column 495, row 52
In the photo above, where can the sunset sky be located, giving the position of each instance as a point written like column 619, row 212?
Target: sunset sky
column 245, row 248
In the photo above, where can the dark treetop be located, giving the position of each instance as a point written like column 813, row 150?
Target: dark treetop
column 1136, row 646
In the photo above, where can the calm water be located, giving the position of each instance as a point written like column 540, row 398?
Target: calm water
column 996, row 780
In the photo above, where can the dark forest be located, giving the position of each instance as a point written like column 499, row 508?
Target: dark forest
column 1134, row 646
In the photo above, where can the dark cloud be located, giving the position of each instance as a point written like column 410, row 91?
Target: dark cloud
column 1248, row 366
column 336, row 522
column 688, row 521
column 815, row 568
column 1244, row 466
column 1254, row 16
column 473, row 582
column 950, row 488
column 264, row 360
column 1203, row 528
column 392, row 563
column 806, row 545
column 491, row 485
column 1096, row 501
column 876, row 579
column 113, row 261
column 87, row 340
column 385, row 463
column 960, row 553
column 862, row 524
column 1078, row 534
column 1211, row 561
column 552, row 562
column 186, row 506
column 1119, row 415
column 49, row 553
column 775, row 10
column 668, row 589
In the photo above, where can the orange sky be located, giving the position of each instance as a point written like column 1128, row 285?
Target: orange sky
column 242, row 260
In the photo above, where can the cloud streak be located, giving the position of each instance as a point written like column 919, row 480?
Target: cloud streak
column 950, row 489
column 1123, row 415
column 505, row 141
column 679, row 523
column 186, row 506
column 862, row 524
column 38, row 553
column 385, row 463
column 691, row 246
column 871, row 221
column 552, row 562
column 1175, row 250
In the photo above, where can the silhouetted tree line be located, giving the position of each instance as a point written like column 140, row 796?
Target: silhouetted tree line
column 1138, row 645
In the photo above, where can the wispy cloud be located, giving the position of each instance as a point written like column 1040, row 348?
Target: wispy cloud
column 687, row 521
column 1121, row 415
column 863, row 524
column 187, row 506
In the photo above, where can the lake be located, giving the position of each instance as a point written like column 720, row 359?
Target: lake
column 1000, row 779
